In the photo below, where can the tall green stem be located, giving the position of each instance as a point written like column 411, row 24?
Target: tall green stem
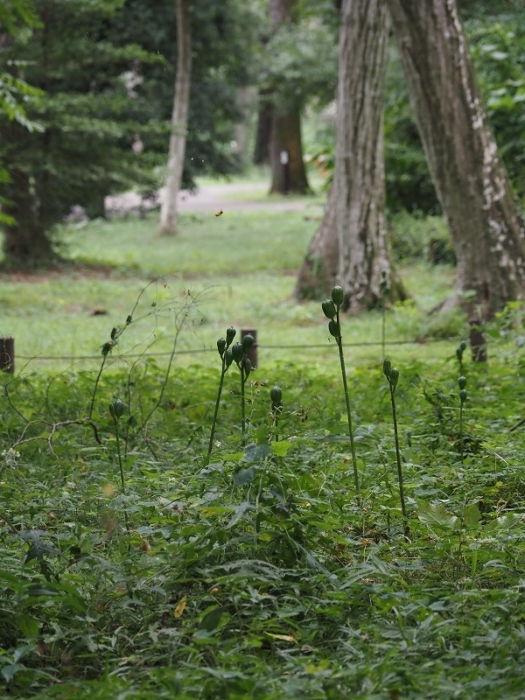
column 462, row 445
column 398, row 454
column 243, row 406
column 339, row 341
column 121, row 467
column 216, row 411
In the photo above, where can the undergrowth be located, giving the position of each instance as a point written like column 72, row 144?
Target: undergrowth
column 140, row 560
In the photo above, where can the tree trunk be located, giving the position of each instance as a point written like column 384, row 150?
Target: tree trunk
column 26, row 243
column 286, row 150
column 286, row 155
column 471, row 183
column 261, row 151
column 351, row 247
column 179, row 120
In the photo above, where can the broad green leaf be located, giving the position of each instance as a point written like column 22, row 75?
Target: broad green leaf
column 436, row 515
column 211, row 620
column 281, row 448
column 28, row 625
column 244, row 477
column 472, row 516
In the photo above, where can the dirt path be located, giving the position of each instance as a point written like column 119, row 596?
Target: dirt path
column 220, row 197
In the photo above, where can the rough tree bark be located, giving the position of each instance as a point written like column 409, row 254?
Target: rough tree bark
column 286, row 150
column 351, row 246
column 486, row 230
column 179, row 120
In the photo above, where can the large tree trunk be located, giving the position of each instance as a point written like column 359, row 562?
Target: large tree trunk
column 487, row 232
column 351, row 247
column 179, row 121
column 286, row 155
column 261, row 150
column 286, row 150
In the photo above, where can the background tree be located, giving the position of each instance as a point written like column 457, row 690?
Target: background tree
column 179, row 121
column 474, row 191
column 298, row 67
column 351, row 247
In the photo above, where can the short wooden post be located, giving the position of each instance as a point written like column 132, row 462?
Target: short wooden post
column 7, row 354
column 252, row 355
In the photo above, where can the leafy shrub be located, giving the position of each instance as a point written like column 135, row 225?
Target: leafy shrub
column 418, row 238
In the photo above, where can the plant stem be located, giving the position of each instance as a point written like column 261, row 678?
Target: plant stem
column 216, row 411
column 461, row 432
column 383, row 330
column 348, row 411
column 121, row 467
column 243, row 406
column 398, row 454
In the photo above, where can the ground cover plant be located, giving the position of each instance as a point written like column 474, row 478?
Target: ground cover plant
column 137, row 563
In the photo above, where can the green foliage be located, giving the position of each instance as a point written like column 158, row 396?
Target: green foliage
column 300, row 65
column 229, row 574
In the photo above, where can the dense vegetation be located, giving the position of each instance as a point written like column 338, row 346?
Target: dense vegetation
column 129, row 564
column 132, row 565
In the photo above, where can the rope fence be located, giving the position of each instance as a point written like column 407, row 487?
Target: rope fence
column 7, row 355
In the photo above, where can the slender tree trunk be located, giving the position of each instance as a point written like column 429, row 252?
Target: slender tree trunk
column 487, row 232
column 179, row 120
column 351, row 247
column 26, row 243
column 286, row 150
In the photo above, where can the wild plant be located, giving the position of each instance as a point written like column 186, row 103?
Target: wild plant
column 226, row 355
column 331, row 308
column 117, row 409
column 240, row 357
column 392, row 375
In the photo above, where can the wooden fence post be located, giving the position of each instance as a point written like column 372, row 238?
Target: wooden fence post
column 252, row 355
column 7, row 354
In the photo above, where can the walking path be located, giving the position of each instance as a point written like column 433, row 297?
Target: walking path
column 219, row 197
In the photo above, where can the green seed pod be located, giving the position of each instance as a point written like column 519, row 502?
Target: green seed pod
column 337, row 295
column 247, row 342
column 276, row 396
column 463, row 345
column 247, row 366
column 387, row 367
column 462, row 382
column 128, row 320
column 334, row 329
column 237, row 352
column 117, row 409
column 114, row 332
column 459, row 353
column 221, row 346
column 463, row 395
column 394, row 377
column 228, row 357
column 329, row 309
column 230, row 335
column 107, row 347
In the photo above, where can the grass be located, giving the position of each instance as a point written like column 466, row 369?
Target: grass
column 241, row 267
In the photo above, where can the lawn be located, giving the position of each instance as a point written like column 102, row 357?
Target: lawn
column 240, row 269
